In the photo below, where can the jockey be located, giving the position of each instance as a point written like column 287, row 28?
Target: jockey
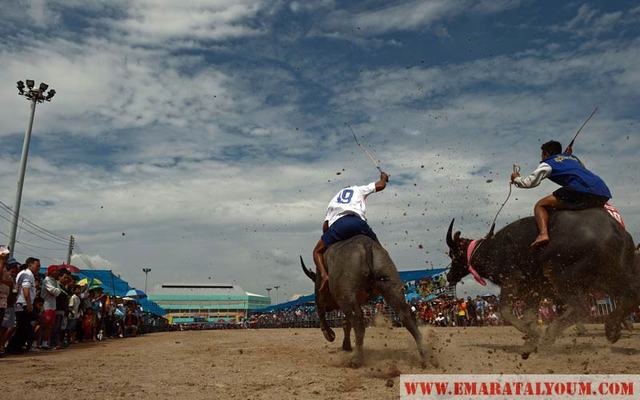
column 581, row 188
column 346, row 218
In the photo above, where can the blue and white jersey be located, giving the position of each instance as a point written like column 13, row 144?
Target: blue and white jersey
column 567, row 171
column 350, row 200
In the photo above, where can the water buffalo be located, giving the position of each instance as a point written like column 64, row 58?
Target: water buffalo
column 588, row 251
column 359, row 270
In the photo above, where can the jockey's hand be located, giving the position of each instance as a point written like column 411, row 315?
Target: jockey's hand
column 569, row 150
column 514, row 175
column 384, row 176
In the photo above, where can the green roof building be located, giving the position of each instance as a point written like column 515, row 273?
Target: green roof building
column 203, row 303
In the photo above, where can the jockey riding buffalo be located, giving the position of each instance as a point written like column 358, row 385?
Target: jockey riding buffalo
column 588, row 250
column 360, row 269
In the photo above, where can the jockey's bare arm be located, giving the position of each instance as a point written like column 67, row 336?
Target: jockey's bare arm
column 533, row 179
column 325, row 226
column 382, row 183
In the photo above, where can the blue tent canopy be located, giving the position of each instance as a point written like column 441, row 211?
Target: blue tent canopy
column 406, row 276
column 311, row 298
column 151, row 307
column 419, row 274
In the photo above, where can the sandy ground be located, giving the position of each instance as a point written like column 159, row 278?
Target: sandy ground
column 292, row 363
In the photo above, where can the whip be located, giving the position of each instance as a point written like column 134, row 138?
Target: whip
column 365, row 151
column 582, row 126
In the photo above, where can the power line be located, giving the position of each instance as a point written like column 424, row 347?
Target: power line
column 32, row 224
column 33, row 245
column 59, row 241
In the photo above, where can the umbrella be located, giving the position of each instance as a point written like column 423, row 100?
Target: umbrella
column 412, row 296
column 68, row 267
column 89, row 281
column 137, row 293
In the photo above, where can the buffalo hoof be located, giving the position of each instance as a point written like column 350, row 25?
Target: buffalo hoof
column 612, row 331
column 530, row 346
column 432, row 360
column 356, row 361
column 347, row 347
column 329, row 334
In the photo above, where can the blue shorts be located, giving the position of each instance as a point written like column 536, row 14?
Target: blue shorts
column 347, row 227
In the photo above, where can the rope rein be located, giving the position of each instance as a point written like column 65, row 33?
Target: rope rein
column 516, row 168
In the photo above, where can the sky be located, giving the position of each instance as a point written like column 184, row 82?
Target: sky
column 204, row 139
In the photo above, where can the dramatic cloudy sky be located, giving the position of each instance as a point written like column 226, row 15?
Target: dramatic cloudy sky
column 203, row 139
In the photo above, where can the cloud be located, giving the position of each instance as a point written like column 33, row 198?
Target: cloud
column 215, row 151
column 590, row 21
column 409, row 15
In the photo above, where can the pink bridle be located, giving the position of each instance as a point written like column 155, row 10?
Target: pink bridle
column 470, row 249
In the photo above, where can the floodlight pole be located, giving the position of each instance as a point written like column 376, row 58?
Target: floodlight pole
column 34, row 95
column 21, row 172
column 146, row 273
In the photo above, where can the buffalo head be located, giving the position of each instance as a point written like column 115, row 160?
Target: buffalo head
column 458, row 254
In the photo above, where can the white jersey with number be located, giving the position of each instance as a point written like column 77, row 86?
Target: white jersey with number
column 350, row 200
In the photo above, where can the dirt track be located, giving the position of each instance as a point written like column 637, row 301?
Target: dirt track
column 292, row 363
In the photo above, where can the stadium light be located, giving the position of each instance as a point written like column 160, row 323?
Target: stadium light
column 34, row 96
column 146, row 273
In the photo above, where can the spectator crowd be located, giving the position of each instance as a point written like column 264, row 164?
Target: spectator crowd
column 39, row 313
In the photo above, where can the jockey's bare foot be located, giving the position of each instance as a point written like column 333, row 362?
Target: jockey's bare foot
column 325, row 280
column 540, row 241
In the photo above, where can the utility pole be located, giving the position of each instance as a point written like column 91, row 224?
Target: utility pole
column 34, row 96
column 269, row 293
column 146, row 273
column 276, row 287
column 72, row 242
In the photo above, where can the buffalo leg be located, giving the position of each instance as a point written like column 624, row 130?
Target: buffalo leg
column 395, row 298
column 353, row 312
column 324, row 327
column 346, row 342
column 575, row 308
column 614, row 322
column 526, row 325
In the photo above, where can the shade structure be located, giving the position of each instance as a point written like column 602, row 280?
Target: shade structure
column 136, row 293
column 405, row 276
column 71, row 268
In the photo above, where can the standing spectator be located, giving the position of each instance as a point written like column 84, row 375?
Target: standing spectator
column 62, row 308
column 50, row 291
column 26, row 286
column 74, row 314
column 130, row 323
column 6, row 283
column 461, row 313
column 8, row 323
column 472, row 314
column 481, row 307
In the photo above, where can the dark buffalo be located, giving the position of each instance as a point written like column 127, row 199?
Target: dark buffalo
column 588, row 251
column 359, row 270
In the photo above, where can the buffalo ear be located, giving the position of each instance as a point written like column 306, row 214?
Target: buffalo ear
column 456, row 236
